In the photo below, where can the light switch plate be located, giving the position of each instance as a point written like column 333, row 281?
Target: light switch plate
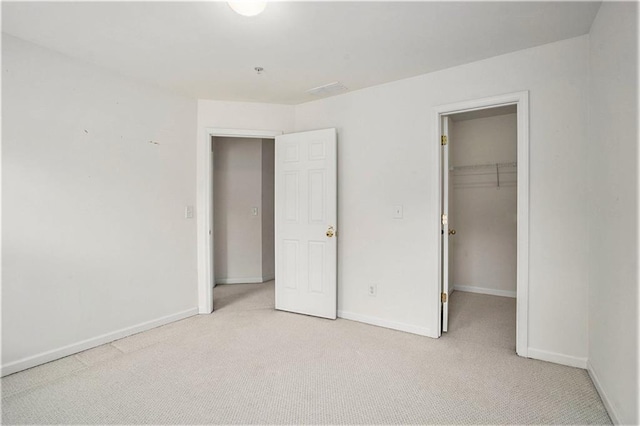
column 188, row 212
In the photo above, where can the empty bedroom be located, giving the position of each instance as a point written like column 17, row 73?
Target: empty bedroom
column 309, row 212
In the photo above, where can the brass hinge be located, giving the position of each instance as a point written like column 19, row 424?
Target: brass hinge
column 444, row 219
column 443, row 297
column 443, row 140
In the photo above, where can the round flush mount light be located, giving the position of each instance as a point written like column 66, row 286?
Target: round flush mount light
column 248, row 7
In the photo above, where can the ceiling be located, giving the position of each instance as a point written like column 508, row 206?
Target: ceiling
column 204, row 50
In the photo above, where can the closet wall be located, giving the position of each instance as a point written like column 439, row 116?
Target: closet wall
column 483, row 191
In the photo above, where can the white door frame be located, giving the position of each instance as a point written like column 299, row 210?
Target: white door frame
column 204, row 208
column 521, row 100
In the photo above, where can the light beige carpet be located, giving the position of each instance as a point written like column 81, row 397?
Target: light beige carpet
column 248, row 363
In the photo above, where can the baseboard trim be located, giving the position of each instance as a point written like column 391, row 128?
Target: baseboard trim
column 408, row 328
column 605, row 400
column 268, row 278
column 482, row 290
column 571, row 361
column 52, row 355
column 250, row 280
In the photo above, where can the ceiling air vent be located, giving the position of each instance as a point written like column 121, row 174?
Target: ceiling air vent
column 328, row 89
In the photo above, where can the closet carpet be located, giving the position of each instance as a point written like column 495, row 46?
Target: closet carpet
column 250, row 364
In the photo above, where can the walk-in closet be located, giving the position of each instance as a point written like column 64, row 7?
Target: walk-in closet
column 482, row 238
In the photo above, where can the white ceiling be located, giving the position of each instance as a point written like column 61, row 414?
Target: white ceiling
column 205, row 50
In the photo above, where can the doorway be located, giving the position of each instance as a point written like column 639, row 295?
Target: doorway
column 243, row 217
column 305, row 204
column 471, row 169
column 482, row 221
column 204, row 216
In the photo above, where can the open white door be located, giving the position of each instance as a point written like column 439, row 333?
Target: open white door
column 444, row 295
column 305, row 223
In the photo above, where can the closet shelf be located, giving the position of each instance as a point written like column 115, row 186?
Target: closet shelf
column 483, row 175
column 484, row 166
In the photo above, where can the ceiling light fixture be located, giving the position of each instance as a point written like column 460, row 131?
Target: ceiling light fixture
column 248, row 7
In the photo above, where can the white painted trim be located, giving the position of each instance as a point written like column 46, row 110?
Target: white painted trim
column 204, row 207
column 44, row 357
column 613, row 414
column 484, row 290
column 522, row 263
column 521, row 100
column 268, row 278
column 409, row 328
column 556, row 358
column 239, row 133
column 249, row 280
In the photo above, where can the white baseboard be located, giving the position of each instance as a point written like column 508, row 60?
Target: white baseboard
column 409, row 328
column 571, row 361
column 44, row 357
column 605, row 400
column 250, row 280
column 268, row 278
column 482, row 290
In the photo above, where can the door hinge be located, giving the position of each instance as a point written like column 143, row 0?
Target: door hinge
column 443, row 140
column 443, row 297
column 444, row 219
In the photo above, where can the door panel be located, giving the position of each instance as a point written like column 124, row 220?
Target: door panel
column 306, row 207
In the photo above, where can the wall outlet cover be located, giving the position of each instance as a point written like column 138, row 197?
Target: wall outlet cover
column 372, row 290
column 397, row 212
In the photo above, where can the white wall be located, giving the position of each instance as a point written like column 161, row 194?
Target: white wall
column 237, row 188
column 244, row 116
column 387, row 157
column 483, row 250
column 613, row 211
column 268, row 210
column 97, row 171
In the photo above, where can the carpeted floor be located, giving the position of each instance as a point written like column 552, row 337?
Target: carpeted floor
column 248, row 363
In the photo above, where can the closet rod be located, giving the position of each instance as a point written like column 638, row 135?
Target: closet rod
column 484, row 166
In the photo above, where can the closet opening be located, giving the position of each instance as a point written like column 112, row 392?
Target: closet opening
column 483, row 199
column 482, row 220
column 243, row 222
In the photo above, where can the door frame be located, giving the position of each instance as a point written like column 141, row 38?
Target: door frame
column 521, row 100
column 204, row 207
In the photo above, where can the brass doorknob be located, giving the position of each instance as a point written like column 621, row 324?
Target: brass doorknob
column 330, row 232
column 452, row 232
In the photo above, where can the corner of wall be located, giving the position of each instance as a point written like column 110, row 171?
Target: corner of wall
column 611, row 410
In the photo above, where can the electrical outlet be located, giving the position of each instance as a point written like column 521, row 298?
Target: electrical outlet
column 373, row 290
column 397, row 212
